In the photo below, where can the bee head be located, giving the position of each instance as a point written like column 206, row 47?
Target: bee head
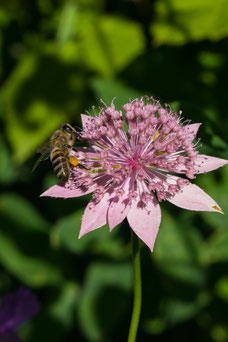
column 68, row 128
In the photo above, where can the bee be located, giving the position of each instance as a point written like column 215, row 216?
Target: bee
column 58, row 149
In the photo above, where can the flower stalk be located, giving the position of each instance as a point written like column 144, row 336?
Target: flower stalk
column 137, row 288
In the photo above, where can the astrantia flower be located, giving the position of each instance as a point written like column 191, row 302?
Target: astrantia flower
column 133, row 163
column 15, row 309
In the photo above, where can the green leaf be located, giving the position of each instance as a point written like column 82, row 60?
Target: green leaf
column 221, row 288
column 67, row 23
column 29, row 270
column 177, row 21
column 177, row 251
column 215, row 249
column 39, row 96
column 49, row 180
column 154, row 326
column 177, row 310
column 104, row 299
column 64, row 307
column 107, row 90
column 8, row 172
column 20, row 212
column 108, row 43
column 57, row 317
column 66, row 232
column 216, row 185
column 0, row 57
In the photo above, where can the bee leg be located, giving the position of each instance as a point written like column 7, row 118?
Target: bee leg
column 82, row 167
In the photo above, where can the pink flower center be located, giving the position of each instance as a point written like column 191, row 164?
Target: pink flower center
column 154, row 145
column 134, row 163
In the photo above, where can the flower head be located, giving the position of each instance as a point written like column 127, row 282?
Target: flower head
column 132, row 164
column 15, row 309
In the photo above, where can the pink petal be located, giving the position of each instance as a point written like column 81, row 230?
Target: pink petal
column 96, row 217
column 119, row 208
column 205, row 163
column 145, row 221
column 60, row 191
column 191, row 130
column 192, row 197
column 86, row 119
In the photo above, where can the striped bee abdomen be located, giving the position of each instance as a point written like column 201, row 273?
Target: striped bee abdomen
column 60, row 164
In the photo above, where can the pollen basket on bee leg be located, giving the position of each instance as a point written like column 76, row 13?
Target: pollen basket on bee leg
column 73, row 161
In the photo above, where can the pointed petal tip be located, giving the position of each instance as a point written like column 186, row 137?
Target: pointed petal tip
column 54, row 191
column 216, row 208
column 151, row 246
column 205, row 163
column 192, row 197
column 82, row 233
column 58, row 191
column 45, row 195
column 148, row 244
column 111, row 227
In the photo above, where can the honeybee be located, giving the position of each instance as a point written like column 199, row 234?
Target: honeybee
column 58, row 149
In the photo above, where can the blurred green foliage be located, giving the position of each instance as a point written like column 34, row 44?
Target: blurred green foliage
column 58, row 58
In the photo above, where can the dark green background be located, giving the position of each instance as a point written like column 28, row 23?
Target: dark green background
column 58, row 58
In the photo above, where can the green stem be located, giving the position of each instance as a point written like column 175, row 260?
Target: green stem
column 137, row 288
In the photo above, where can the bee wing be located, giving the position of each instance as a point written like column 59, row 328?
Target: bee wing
column 45, row 150
column 43, row 156
column 45, row 147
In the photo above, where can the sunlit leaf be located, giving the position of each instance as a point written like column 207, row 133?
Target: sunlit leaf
column 177, row 21
column 221, row 288
column 39, row 96
column 67, row 23
column 109, row 43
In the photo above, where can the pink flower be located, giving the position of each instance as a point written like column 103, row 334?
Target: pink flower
column 132, row 165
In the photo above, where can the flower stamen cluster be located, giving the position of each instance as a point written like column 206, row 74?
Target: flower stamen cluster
column 137, row 157
column 144, row 142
